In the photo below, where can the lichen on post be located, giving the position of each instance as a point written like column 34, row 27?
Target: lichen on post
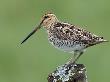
column 69, row 72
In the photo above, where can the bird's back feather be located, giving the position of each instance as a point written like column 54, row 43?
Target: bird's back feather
column 65, row 31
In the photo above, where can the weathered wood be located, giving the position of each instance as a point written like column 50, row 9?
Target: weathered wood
column 69, row 72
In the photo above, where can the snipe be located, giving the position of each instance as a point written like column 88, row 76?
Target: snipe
column 67, row 37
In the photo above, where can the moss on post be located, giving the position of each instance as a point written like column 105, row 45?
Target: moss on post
column 69, row 72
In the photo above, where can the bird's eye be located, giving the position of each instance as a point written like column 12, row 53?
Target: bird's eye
column 46, row 17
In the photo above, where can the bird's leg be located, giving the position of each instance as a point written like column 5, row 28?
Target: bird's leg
column 76, row 58
column 73, row 58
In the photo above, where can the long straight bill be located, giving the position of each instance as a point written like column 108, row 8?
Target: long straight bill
column 38, row 27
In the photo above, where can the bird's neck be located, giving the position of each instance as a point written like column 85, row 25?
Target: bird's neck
column 51, row 25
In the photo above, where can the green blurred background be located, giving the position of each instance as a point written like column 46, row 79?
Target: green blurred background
column 34, row 60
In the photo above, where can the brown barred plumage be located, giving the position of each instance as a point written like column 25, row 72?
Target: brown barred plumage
column 67, row 37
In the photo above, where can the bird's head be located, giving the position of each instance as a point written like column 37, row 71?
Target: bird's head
column 46, row 21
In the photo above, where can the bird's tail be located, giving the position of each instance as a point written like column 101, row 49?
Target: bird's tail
column 100, row 40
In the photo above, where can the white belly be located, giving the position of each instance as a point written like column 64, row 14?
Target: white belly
column 65, row 45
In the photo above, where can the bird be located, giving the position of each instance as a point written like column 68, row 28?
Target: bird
column 67, row 37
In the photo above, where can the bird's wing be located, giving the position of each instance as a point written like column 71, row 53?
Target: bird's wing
column 67, row 31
